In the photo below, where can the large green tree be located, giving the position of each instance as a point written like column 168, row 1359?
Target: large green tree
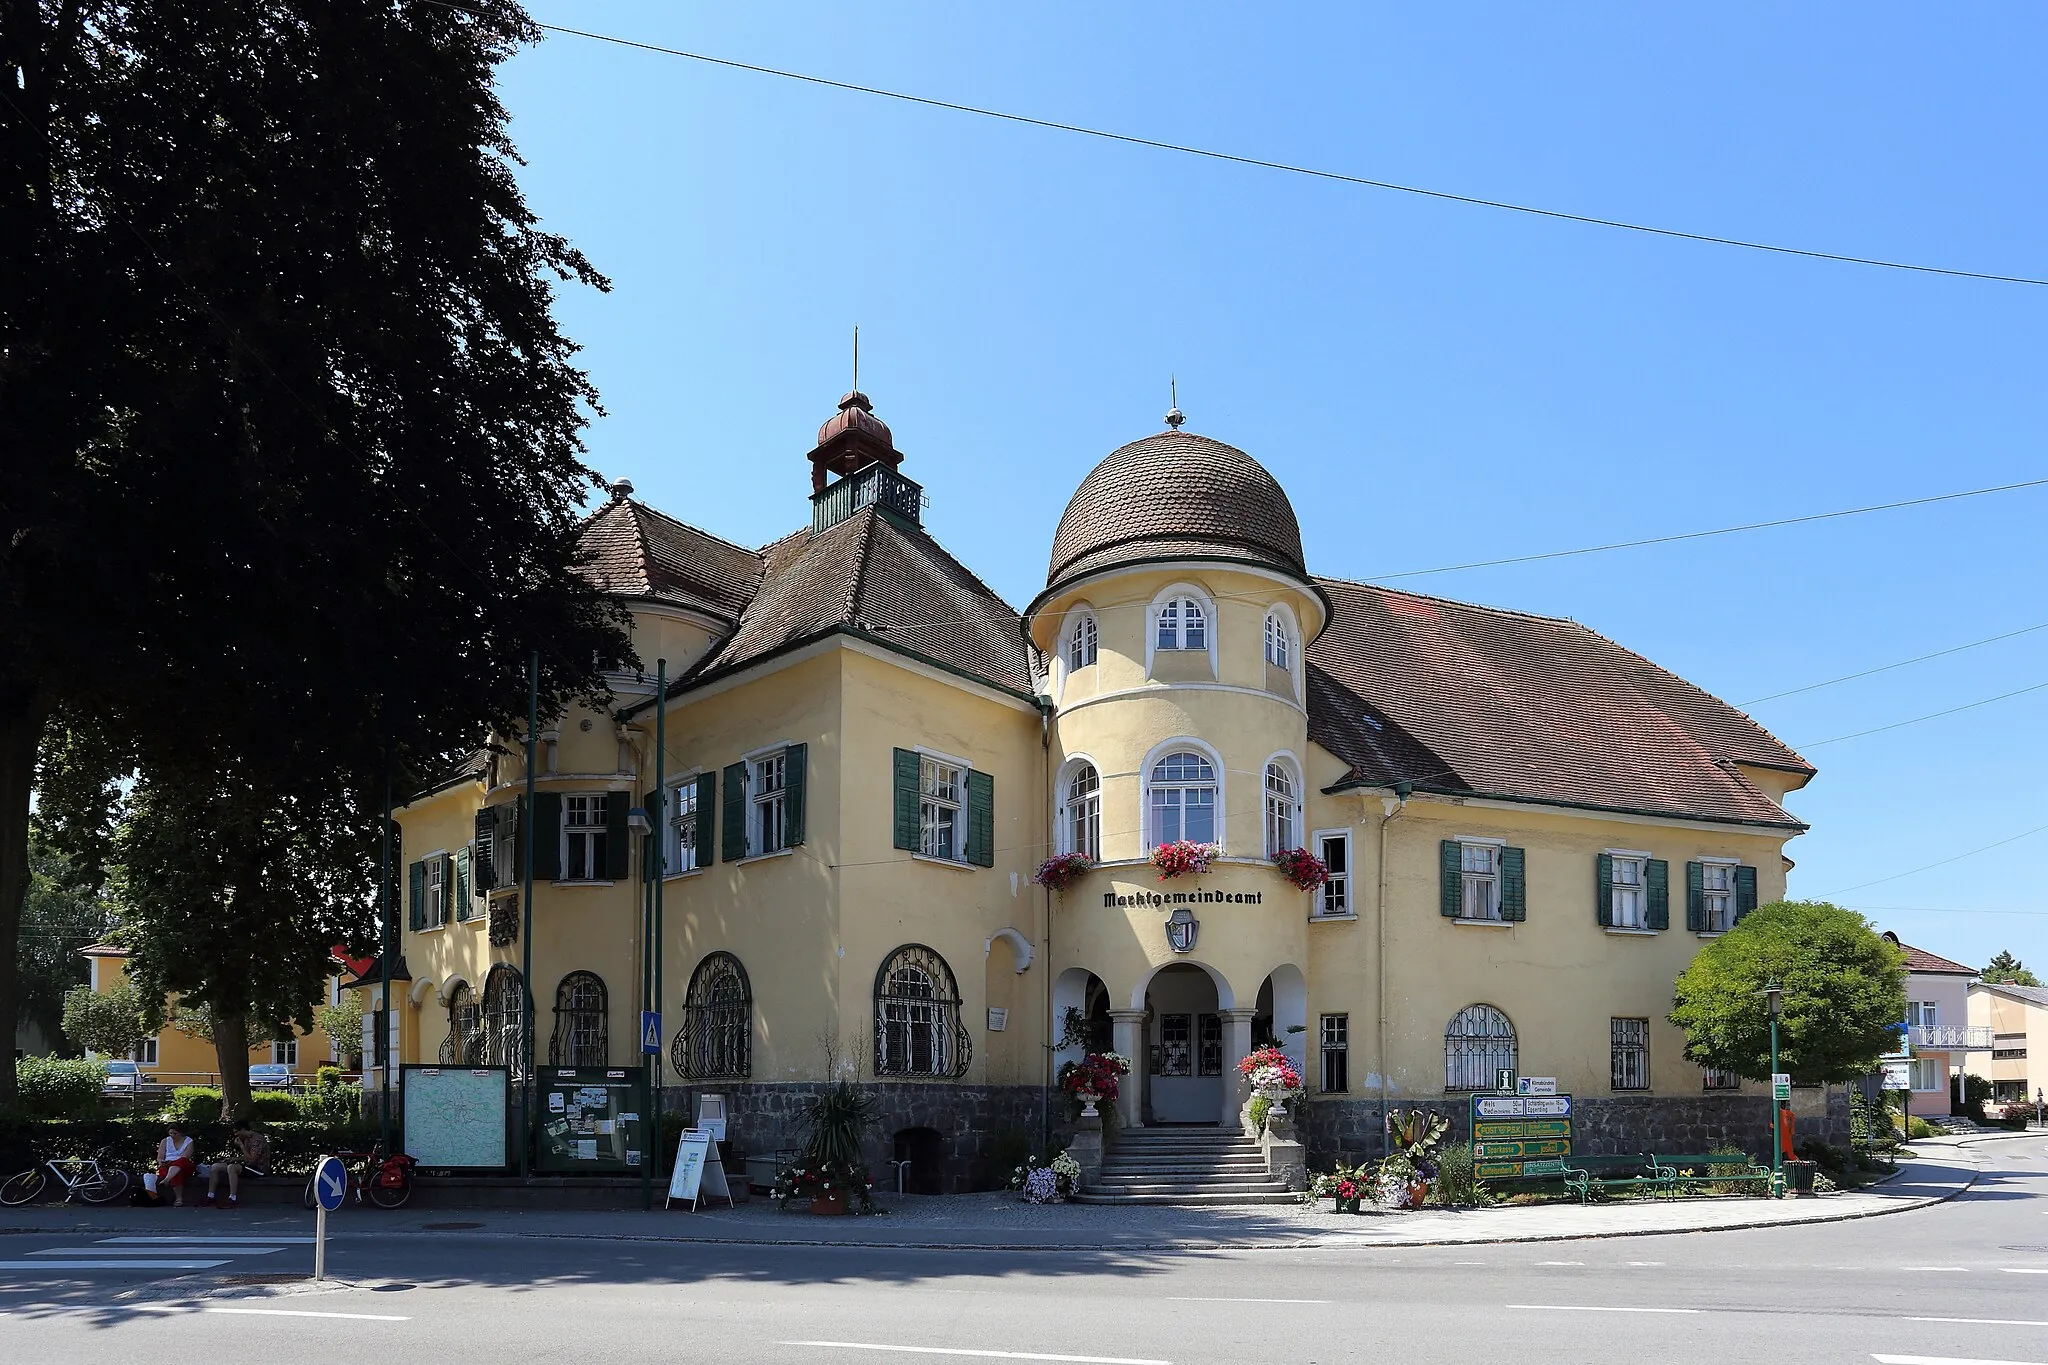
column 292, row 439
column 1844, row 994
column 60, row 917
column 2007, row 970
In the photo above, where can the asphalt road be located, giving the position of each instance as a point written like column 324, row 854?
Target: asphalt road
column 1965, row 1281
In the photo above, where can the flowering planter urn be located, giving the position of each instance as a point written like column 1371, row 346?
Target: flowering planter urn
column 1088, row 1099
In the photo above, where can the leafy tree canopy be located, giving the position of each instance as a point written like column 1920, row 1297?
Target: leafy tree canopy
column 2007, row 970
column 58, row 919
column 108, row 1022
column 1844, row 994
column 293, row 439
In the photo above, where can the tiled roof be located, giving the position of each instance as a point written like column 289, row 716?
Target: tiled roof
column 876, row 574
column 2037, row 995
column 1180, row 496
column 639, row 552
column 103, row 950
column 1920, row 960
column 1485, row 702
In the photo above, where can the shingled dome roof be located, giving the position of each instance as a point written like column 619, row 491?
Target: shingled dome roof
column 1176, row 496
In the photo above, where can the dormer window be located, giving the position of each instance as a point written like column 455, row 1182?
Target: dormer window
column 1081, row 640
column 1182, row 624
column 1279, row 644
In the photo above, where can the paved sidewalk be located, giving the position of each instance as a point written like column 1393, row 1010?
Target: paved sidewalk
column 1940, row 1170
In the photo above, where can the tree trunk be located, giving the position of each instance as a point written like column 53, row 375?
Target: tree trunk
column 231, row 1051
column 20, row 727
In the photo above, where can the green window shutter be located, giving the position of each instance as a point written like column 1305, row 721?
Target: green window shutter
column 1657, row 875
column 1603, row 889
column 735, row 812
column 1451, row 887
column 909, row 827
column 462, row 899
column 486, row 869
column 707, row 793
column 795, row 759
column 981, row 818
column 1514, row 892
column 618, row 836
column 547, row 836
column 1696, row 898
column 416, row 895
column 1745, row 891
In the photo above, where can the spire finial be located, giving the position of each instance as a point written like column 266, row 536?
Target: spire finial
column 856, row 358
column 1174, row 416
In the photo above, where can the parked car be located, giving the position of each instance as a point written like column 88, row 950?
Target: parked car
column 269, row 1076
column 124, row 1078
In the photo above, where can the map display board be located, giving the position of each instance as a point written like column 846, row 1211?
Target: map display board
column 1508, row 1130
column 457, row 1117
column 589, row 1120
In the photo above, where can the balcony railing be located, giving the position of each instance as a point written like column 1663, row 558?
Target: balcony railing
column 1951, row 1037
column 864, row 487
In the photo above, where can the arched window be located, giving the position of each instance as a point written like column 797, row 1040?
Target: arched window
column 1182, row 798
column 1081, row 640
column 1183, row 624
column 501, row 1029
column 1479, row 1042
column 1283, row 828
column 1279, row 643
column 917, row 1016
column 716, row 1041
column 579, row 1037
column 464, row 1042
column 1081, row 813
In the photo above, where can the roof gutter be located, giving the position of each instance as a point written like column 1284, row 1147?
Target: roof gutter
column 1420, row 788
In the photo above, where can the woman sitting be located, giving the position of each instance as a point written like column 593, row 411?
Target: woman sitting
column 174, row 1162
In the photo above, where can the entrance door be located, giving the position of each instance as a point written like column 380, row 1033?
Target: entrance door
column 1186, row 1047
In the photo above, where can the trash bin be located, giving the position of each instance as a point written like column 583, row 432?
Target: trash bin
column 1799, row 1176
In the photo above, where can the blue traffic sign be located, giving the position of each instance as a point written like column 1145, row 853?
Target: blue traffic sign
column 330, row 1182
column 650, row 1031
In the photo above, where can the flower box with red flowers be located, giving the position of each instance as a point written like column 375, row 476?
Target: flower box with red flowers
column 1061, row 872
column 1301, row 867
column 1184, row 858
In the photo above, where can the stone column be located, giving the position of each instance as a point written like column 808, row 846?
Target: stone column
column 1237, row 1045
column 1130, row 1041
column 1086, row 1148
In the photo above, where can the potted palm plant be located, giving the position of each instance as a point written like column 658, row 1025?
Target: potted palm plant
column 831, row 1171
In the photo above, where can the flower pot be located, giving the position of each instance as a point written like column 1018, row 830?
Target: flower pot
column 1418, row 1194
column 829, row 1204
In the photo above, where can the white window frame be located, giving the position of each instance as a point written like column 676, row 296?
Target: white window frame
column 1923, row 1013
column 1478, row 884
column 680, row 789
column 942, row 806
column 1710, row 894
column 284, row 1052
column 435, row 883
column 1283, row 810
column 1279, row 642
column 144, row 1053
column 1150, row 788
column 1619, row 892
column 593, row 838
column 1936, row 1070
column 1153, row 614
column 767, row 807
column 1333, row 897
column 1084, row 638
column 1079, row 820
column 1713, row 1078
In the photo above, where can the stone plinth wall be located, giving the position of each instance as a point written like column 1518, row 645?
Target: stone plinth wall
column 765, row 1117
column 1601, row 1125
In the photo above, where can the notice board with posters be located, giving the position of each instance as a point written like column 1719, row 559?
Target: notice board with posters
column 457, row 1118
column 588, row 1120
column 1508, row 1130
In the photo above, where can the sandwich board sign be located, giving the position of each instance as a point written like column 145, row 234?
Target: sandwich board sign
column 697, row 1174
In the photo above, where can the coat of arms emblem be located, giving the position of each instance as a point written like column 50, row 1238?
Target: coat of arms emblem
column 1181, row 928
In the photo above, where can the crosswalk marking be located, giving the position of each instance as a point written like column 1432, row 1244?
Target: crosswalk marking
column 205, row 1240
column 126, row 1252
column 124, row 1264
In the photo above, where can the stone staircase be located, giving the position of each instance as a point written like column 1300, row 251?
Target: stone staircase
column 1195, row 1166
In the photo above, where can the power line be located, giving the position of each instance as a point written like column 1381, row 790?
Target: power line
column 1702, row 535
column 1929, row 867
column 1932, row 715
column 1886, row 668
column 1261, row 163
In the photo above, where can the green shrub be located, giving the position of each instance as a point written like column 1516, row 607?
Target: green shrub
column 1921, row 1128
column 276, row 1108
column 327, row 1078
column 59, row 1087
column 1825, row 1155
column 131, row 1143
column 1260, row 1107
column 1721, row 1175
column 192, row 1107
column 1007, row 1149
column 1455, row 1182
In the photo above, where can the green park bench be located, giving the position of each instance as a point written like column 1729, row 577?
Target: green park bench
column 1704, row 1168
column 1585, row 1174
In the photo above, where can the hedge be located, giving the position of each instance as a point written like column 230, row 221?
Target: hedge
column 131, row 1143
column 59, row 1087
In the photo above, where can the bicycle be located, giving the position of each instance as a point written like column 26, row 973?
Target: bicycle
column 81, row 1176
column 387, row 1180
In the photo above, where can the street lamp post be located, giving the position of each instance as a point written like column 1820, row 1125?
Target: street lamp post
column 1774, row 1001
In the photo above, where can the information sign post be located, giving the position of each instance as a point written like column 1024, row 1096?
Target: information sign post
column 1508, row 1130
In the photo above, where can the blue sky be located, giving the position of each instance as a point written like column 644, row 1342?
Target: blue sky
column 1433, row 383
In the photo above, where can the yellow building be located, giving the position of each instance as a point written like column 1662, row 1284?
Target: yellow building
column 2015, row 1018
column 1528, row 829
column 173, row 1057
